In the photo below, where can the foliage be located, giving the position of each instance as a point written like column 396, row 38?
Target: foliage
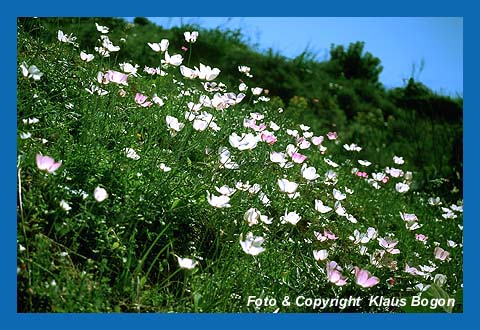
column 81, row 251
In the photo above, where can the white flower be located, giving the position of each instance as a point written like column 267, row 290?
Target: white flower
column 96, row 90
column 378, row 176
column 31, row 72
column 364, row 162
column 263, row 198
column 278, row 157
column 274, row 126
column 412, row 225
column 252, row 216
column 257, row 90
column 394, row 172
column 107, row 44
column 398, row 160
column 307, row 135
column 338, row 195
column 164, row 167
column 101, row 28
column 207, row 73
column 451, row 244
column 64, row 205
column 457, row 208
column 245, row 69
column 255, row 188
column 427, row 269
column 352, row 147
column 330, row 162
column 339, row 209
column 257, row 116
column 374, row 183
column 290, row 217
column 309, row 173
column 330, row 178
column 86, row 57
column 132, row 154
column 188, row 73
column 25, row 136
column 162, row 46
column 292, row 132
column 434, row 201
column 320, row 207
column 218, row 201
column 243, row 186
column 408, row 176
column 351, row 218
column 31, row 121
column 67, row 38
column 408, row 217
column 130, row 69
column 252, row 245
column 157, row 100
column 174, row 125
column 350, row 191
column 402, row 187
column 243, row 142
column 242, row 87
column 191, row 37
column 320, row 254
column 363, row 238
column 287, row 186
column 174, row 60
column 226, row 190
column 102, row 51
column 100, row 194
column 187, row 263
column 448, row 213
column 203, row 121
column 226, row 160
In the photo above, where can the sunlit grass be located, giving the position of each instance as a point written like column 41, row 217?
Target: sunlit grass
column 178, row 194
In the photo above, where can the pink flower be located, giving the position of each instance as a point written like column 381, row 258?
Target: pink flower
column 332, row 135
column 268, row 137
column 141, row 100
column 364, row 278
column 329, row 235
column 389, row 245
column 385, row 179
column 334, row 275
column 421, row 237
column 362, row 174
column 440, row 253
column 303, row 143
column 184, row 48
column 326, row 235
column 317, row 140
column 112, row 76
column 46, row 163
column 298, row 158
column 413, row 270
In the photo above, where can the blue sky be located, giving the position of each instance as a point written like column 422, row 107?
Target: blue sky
column 401, row 43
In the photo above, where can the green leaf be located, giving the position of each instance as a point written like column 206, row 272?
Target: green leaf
column 175, row 203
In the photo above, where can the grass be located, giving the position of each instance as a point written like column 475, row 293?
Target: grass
column 121, row 254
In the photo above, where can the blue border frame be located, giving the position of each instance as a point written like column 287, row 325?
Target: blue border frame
column 245, row 8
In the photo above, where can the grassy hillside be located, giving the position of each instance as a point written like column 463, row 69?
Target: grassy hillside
column 149, row 182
